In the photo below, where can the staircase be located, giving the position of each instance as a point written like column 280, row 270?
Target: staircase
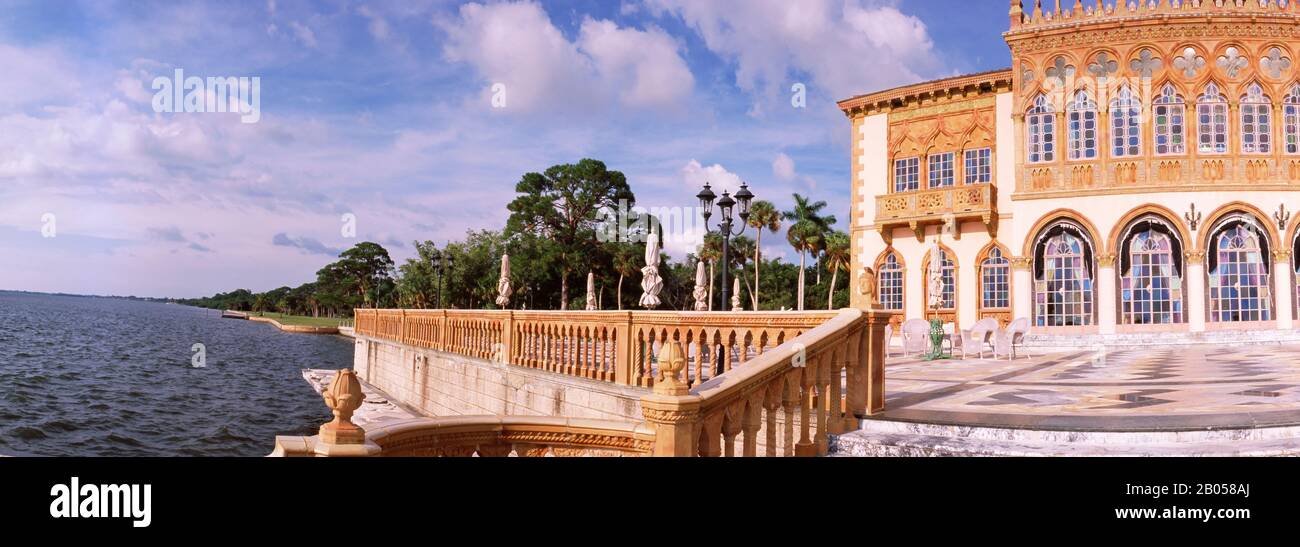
column 886, row 438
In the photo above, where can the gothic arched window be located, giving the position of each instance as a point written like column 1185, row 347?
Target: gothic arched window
column 995, row 281
column 1239, row 274
column 1170, row 117
column 1082, row 132
column 1151, row 283
column 1040, row 123
column 890, row 273
column 1291, row 121
column 1063, row 287
column 1256, row 121
column 1125, row 124
column 1212, row 121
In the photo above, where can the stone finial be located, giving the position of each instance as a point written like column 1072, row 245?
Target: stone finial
column 343, row 397
column 735, row 296
column 672, row 361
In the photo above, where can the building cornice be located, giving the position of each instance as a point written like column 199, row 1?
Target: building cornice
column 968, row 86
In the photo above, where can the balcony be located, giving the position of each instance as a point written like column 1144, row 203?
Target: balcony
column 915, row 210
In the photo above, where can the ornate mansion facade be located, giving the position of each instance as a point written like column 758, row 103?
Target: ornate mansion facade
column 1134, row 171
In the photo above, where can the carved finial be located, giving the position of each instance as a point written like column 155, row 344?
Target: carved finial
column 1017, row 13
column 1282, row 216
column 343, row 397
column 672, row 361
column 1193, row 217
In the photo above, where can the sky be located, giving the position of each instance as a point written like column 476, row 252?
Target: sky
column 414, row 120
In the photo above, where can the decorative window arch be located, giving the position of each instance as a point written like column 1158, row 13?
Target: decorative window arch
column 889, row 272
column 1291, row 121
column 1040, row 123
column 1170, row 113
column 1063, row 280
column 1081, row 116
column 1212, row 121
column 948, row 271
column 1151, row 273
column 1256, row 121
column 1239, row 279
column 1125, row 124
column 995, row 280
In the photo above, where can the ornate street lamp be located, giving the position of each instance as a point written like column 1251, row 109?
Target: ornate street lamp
column 727, row 206
column 441, row 261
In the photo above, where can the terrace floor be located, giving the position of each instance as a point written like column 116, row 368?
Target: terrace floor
column 1148, row 389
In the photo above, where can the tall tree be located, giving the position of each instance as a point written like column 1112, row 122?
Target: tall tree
column 627, row 262
column 838, row 256
column 367, row 265
column 762, row 216
column 806, row 232
column 565, row 204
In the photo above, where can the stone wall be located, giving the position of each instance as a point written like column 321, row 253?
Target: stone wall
column 443, row 384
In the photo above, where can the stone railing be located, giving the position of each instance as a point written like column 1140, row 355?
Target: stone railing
column 607, row 346
column 492, row 436
column 819, row 383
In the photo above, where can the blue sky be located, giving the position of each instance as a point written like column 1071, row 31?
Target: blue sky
column 383, row 110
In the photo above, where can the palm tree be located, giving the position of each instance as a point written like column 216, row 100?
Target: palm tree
column 806, row 233
column 838, row 257
column 625, row 263
column 762, row 216
column 710, row 252
column 741, row 247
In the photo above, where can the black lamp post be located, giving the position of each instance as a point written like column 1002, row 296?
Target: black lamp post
column 438, row 262
column 727, row 205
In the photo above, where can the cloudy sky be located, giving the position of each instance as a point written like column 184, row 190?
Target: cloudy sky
column 384, row 110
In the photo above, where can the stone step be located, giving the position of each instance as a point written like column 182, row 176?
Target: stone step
column 886, row 438
column 1145, row 340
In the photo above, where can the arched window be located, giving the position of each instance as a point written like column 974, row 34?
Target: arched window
column 948, row 272
column 995, row 281
column 1170, row 112
column 1040, row 122
column 1256, row 121
column 890, row 273
column 1212, row 121
column 1063, row 287
column 1082, row 115
column 1239, row 273
column 1291, row 120
column 1125, row 124
column 1151, row 280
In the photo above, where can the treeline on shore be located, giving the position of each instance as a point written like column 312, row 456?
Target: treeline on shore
column 552, row 239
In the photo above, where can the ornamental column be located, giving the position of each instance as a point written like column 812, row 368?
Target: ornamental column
column 1282, row 287
column 1195, row 261
column 1022, row 287
column 1106, row 293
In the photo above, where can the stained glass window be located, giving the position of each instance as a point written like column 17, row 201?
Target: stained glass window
column 1125, row 124
column 1239, row 282
column 1152, row 290
column 1212, row 121
column 995, row 281
column 891, row 283
column 1291, row 120
column 1041, row 123
column 948, row 272
column 907, row 174
column 979, row 166
column 1171, row 132
column 1256, row 121
column 1063, row 291
column 1082, row 127
column 942, row 172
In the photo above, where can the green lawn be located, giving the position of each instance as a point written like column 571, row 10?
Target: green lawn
column 303, row 320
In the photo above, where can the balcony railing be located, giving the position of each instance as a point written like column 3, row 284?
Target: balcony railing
column 917, row 209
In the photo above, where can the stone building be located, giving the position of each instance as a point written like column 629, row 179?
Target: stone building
column 1133, row 171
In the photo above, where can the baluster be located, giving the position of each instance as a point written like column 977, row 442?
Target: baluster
column 752, row 421
column 835, row 402
column 701, row 348
column 771, row 403
column 732, row 425
column 790, row 399
column 711, row 435
column 806, row 446
column 823, row 383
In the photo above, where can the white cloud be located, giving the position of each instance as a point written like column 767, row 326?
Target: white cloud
column 378, row 26
column 846, row 46
column 303, row 33
column 694, row 175
column 783, row 168
column 517, row 45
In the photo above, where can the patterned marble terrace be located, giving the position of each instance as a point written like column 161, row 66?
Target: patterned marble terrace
column 1148, row 389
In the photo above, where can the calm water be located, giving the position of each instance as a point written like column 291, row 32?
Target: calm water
column 100, row 377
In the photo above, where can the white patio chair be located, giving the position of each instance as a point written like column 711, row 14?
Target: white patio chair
column 916, row 336
column 889, row 340
column 979, row 338
column 1010, row 338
